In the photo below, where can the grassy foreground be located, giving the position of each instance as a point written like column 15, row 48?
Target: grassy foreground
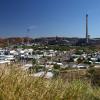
column 17, row 85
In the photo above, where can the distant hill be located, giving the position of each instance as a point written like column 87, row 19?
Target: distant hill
column 48, row 40
column 14, row 40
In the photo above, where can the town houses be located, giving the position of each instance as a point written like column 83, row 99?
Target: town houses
column 46, row 60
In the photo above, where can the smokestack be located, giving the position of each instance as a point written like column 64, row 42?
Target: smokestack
column 87, row 40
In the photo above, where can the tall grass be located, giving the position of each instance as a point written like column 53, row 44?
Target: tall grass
column 18, row 85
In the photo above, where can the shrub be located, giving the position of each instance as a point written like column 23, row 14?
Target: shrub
column 56, row 66
column 94, row 74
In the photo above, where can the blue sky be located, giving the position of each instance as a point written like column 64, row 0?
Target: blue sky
column 42, row 18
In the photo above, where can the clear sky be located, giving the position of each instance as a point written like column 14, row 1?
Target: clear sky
column 42, row 18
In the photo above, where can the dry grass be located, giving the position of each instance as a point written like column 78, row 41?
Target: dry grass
column 18, row 85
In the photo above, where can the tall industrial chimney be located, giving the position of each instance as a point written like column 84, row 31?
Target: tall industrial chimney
column 87, row 38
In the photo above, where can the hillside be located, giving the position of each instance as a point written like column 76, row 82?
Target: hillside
column 14, row 40
column 18, row 85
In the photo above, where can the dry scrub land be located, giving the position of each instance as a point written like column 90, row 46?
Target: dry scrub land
column 18, row 85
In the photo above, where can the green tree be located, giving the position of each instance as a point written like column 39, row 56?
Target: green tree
column 56, row 66
column 34, row 61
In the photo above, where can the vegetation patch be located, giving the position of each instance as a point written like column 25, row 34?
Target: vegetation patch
column 19, row 85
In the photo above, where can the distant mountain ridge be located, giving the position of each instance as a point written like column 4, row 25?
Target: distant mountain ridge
column 14, row 40
column 48, row 40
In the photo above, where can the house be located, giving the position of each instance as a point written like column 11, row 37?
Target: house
column 72, row 65
column 13, row 52
column 27, row 66
column 46, row 75
column 50, row 66
column 49, row 75
column 39, row 74
column 4, row 62
column 97, row 65
column 94, row 59
column 60, row 64
column 9, row 57
column 82, row 66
